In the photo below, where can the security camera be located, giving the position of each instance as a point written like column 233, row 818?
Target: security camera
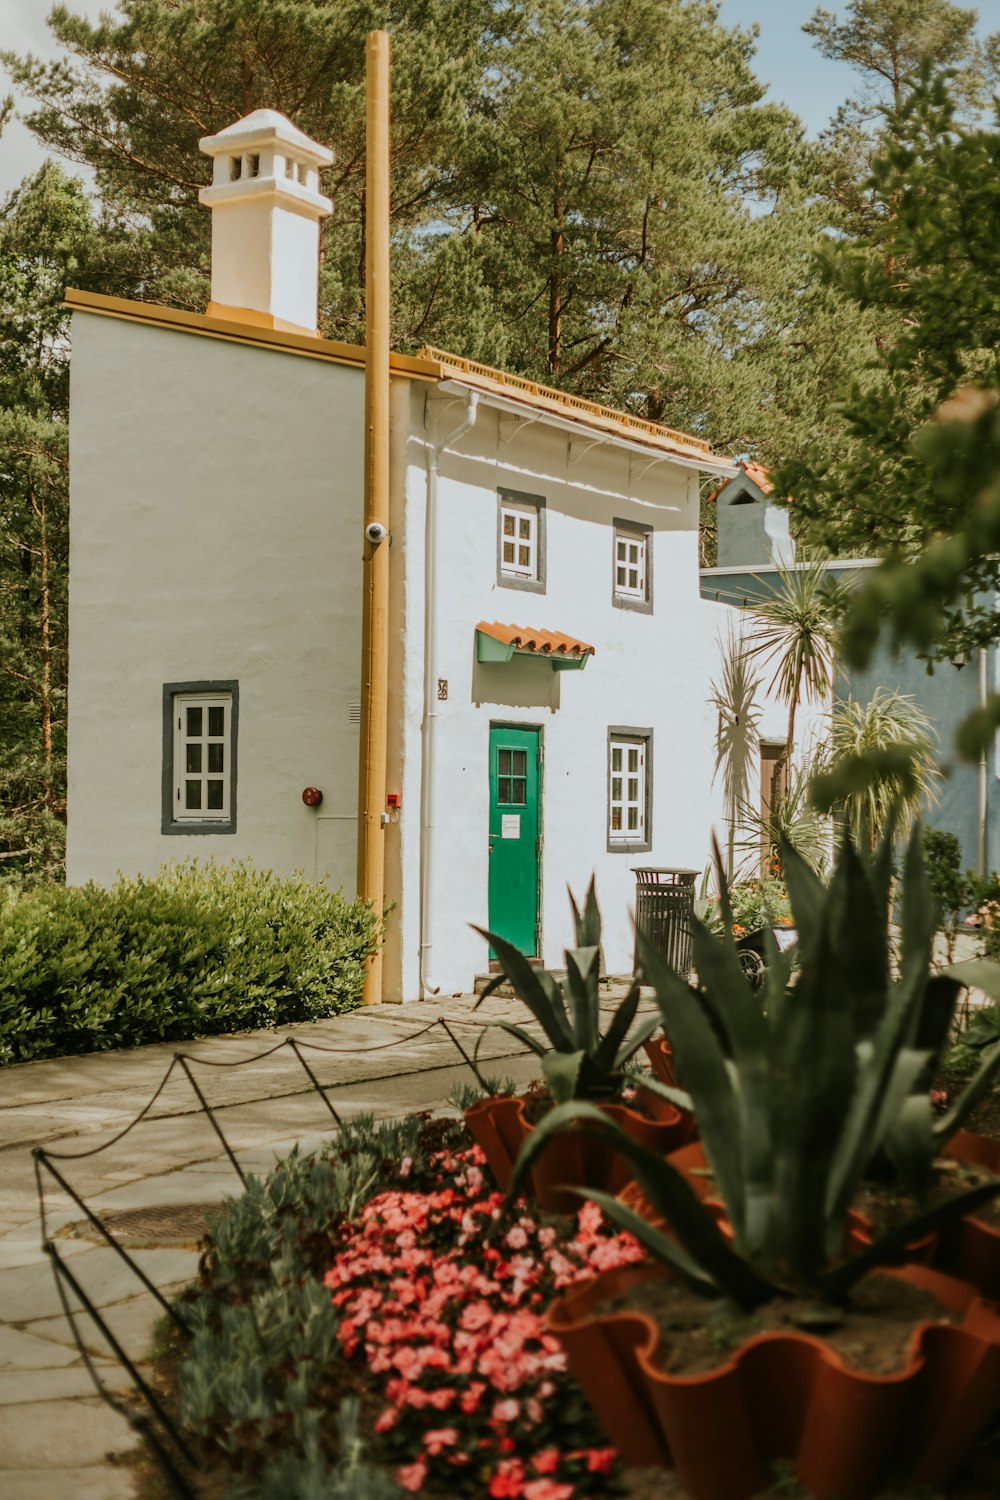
column 376, row 532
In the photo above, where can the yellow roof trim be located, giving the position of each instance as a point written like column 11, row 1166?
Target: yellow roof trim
column 562, row 403
column 235, row 331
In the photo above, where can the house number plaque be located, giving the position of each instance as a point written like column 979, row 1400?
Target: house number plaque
column 442, row 688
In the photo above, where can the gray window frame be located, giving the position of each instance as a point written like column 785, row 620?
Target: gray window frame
column 534, row 585
column 168, row 823
column 642, row 606
column 629, row 732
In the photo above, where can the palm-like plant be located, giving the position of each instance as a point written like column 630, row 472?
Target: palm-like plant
column 794, row 630
column 793, row 821
column 737, row 735
column 892, row 732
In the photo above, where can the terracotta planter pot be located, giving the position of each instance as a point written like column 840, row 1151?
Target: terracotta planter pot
column 970, row 1249
column 500, row 1127
column 661, row 1060
column 786, row 1396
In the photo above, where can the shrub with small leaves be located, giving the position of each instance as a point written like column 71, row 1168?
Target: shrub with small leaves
column 200, row 949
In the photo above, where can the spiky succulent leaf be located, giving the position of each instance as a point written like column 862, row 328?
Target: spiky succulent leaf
column 583, row 995
column 641, row 1034
column 587, row 924
column 954, row 1118
column 677, row 1097
column 668, row 1192
column 525, row 979
column 663, row 1249
column 909, row 1142
column 606, row 1054
column 707, row 1078
column 561, row 1071
column 837, row 1282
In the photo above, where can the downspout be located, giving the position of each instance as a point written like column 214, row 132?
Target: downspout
column 433, row 452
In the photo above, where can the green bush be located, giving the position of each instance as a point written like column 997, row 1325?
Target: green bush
column 200, row 949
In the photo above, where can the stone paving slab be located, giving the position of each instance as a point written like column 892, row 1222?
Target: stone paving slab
column 61, row 1435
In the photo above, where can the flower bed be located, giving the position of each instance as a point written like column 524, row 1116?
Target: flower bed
column 438, row 1331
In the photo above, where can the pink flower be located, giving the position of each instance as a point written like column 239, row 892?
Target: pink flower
column 506, row 1411
column 386, row 1419
column 508, row 1481
column 412, row 1476
column 441, row 1438
column 546, row 1462
column 547, row 1489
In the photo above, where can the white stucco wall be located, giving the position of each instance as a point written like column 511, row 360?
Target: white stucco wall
column 215, row 534
column 649, row 671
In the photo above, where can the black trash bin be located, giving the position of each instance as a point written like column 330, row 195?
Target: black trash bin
column 664, row 906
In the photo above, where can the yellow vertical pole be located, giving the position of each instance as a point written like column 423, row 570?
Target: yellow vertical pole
column 374, row 633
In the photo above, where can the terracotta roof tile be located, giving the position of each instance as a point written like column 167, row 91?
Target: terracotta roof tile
column 542, row 642
column 757, row 475
column 547, row 398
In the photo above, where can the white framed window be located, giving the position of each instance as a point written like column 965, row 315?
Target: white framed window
column 521, row 541
column 629, row 788
column 199, row 781
column 631, row 584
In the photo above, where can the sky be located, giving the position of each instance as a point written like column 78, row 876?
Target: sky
column 786, row 59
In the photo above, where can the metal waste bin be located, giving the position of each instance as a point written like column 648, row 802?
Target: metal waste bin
column 664, row 906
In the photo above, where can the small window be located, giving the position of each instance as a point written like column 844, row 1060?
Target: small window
column 521, row 541
column 199, row 752
column 629, row 789
column 632, row 560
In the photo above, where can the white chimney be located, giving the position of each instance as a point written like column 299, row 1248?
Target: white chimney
column 266, row 207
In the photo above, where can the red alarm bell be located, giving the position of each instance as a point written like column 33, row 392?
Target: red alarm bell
column 312, row 796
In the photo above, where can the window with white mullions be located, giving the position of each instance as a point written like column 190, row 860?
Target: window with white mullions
column 201, row 757
column 632, row 574
column 519, row 541
column 628, row 791
column 630, row 565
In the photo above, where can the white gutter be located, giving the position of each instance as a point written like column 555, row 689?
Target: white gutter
column 433, row 453
column 707, row 463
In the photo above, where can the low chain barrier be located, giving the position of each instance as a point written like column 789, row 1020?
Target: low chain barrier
column 154, row 1425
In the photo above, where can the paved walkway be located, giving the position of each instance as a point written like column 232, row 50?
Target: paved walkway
column 57, row 1439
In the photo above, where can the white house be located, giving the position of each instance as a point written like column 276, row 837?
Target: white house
column 550, row 654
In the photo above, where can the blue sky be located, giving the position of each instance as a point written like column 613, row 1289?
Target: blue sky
column 786, row 59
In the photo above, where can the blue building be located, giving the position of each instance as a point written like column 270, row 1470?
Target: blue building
column 753, row 545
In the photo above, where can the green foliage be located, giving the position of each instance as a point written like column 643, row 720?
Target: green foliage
column 464, row 1095
column 753, row 904
column 578, row 1062
column 880, row 768
column 796, row 1089
column 950, row 889
column 198, row 950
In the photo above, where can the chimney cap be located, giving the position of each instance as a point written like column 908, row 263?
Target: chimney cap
column 261, row 127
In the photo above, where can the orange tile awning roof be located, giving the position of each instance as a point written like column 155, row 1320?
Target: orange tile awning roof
column 537, row 642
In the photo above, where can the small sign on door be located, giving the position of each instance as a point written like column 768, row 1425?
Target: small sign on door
column 510, row 825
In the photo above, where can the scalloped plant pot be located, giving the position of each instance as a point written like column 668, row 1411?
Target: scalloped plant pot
column 786, row 1396
column 970, row 1249
column 661, row 1060
column 500, row 1127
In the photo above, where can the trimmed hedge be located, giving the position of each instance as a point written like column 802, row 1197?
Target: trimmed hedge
column 200, row 949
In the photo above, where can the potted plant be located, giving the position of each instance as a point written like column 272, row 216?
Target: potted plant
column 578, row 1062
column 795, row 1089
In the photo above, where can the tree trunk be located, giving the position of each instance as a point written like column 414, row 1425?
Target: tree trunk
column 558, row 243
column 778, row 775
column 45, row 624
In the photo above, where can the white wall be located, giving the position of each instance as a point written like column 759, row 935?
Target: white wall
column 215, row 534
column 649, row 671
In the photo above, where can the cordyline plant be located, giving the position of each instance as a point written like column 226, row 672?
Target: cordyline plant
column 797, row 1087
column 578, row 1062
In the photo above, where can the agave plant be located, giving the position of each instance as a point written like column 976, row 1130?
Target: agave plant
column 795, row 1088
column 577, row 1060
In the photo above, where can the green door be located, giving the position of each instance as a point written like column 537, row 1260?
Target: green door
column 514, row 803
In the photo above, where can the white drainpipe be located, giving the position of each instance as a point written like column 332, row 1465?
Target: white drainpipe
column 434, row 451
